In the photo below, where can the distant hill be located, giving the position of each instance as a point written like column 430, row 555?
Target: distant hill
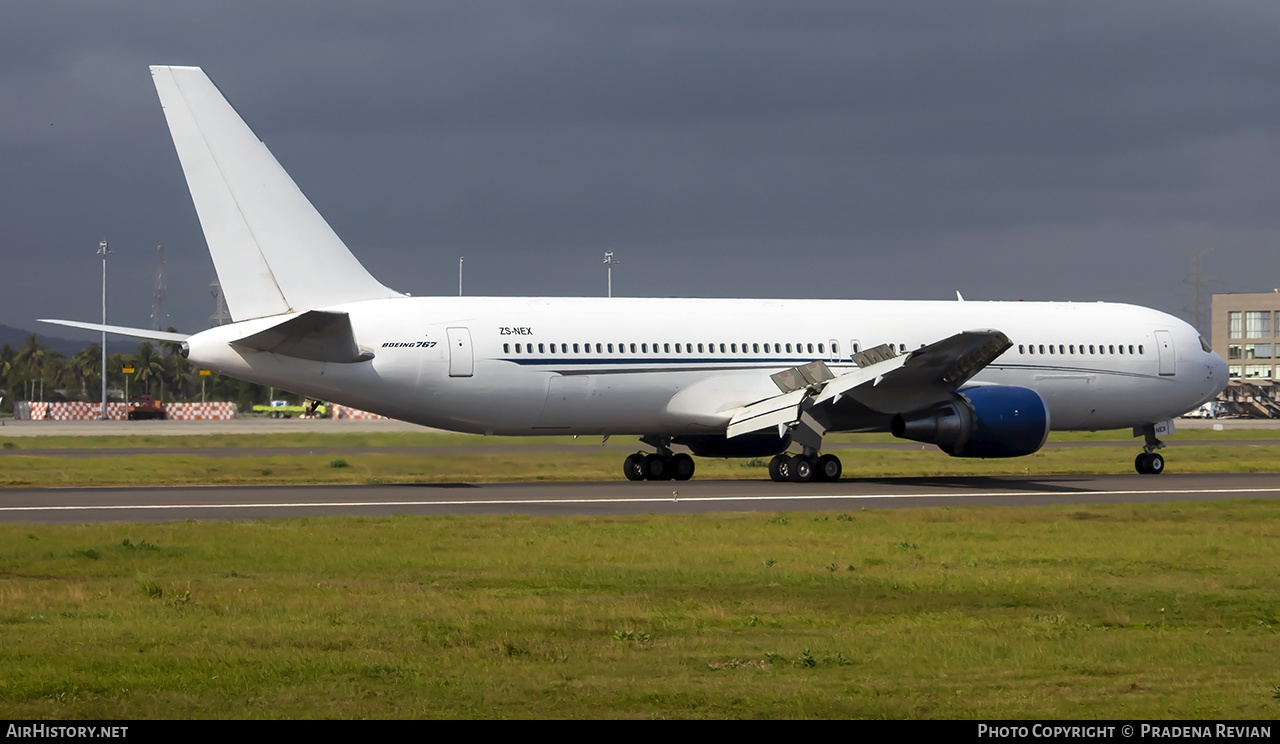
column 65, row 346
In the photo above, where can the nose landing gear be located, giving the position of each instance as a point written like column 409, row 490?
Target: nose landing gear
column 1149, row 462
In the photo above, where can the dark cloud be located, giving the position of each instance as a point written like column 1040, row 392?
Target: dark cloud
column 1010, row 150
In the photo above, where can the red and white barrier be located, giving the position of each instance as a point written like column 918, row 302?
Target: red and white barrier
column 79, row 411
column 347, row 412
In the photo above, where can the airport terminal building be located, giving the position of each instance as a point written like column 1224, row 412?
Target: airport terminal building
column 1244, row 332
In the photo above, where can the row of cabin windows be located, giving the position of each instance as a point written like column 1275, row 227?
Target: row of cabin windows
column 1071, row 349
column 666, row 348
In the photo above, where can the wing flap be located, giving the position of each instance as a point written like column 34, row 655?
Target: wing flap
column 884, row 382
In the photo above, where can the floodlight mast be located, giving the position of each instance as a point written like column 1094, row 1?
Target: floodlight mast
column 610, row 261
column 104, row 251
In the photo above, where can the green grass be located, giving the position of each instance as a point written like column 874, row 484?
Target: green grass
column 23, row 470
column 1081, row 612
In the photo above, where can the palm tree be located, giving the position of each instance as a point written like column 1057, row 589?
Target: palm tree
column 88, row 365
column 30, row 357
column 149, row 365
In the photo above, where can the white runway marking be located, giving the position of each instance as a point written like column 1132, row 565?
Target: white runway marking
column 645, row 500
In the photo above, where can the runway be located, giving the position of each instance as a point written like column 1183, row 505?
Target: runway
column 131, row 504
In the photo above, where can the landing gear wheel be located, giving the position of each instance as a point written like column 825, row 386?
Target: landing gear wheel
column 633, row 467
column 681, row 467
column 829, row 469
column 1155, row 463
column 780, row 468
column 656, row 468
column 1140, row 463
column 802, row 470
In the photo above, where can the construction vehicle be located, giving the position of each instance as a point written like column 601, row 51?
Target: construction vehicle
column 143, row 407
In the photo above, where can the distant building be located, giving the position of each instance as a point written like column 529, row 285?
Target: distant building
column 1244, row 331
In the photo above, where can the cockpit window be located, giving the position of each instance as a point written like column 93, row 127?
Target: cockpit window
column 1205, row 345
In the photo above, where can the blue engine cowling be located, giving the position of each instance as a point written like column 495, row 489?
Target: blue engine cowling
column 759, row 444
column 988, row 421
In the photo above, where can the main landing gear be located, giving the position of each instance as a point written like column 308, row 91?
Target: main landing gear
column 662, row 465
column 1149, row 462
column 805, row 468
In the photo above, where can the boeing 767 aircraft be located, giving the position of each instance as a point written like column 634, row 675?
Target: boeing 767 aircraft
column 721, row 377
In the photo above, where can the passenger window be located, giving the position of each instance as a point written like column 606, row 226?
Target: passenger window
column 1130, row 348
column 575, row 348
column 599, row 349
column 540, row 349
column 810, row 348
column 835, row 348
column 822, row 348
column 1140, row 351
column 666, row 348
column 506, row 348
column 1041, row 348
column 1072, row 348
column 733, row 348
column 1111, row 349
column 1091, row 351
column 788, row 348
column 1050, row 348
column 755, row 348
column 699, row 348
column 1021, row 350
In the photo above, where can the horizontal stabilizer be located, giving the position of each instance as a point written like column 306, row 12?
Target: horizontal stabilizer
column 174, row 338
column 317, row 335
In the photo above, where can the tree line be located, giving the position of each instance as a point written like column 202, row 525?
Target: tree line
column 35, row 372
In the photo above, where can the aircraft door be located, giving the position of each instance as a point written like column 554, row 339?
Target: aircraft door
column 1164, row 347
column 461, row 359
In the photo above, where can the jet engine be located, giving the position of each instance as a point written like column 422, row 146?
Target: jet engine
column 988, row 421
column 759, row 444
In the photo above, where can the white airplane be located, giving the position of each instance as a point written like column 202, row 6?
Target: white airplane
column 722, row 377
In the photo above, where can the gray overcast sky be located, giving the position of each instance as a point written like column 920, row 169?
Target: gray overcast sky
column 1009, row 150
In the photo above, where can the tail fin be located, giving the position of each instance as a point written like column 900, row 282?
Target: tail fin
column 272, row 250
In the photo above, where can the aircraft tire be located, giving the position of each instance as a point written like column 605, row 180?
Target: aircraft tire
column 828, row 469
column 1155, row 463
column 681, row 466
column 1140, row 463
column 633, row 467
column 656, row 468
column 802, row 470
column 780, row 468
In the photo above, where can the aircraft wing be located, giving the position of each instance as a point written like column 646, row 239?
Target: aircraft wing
column 884, row 382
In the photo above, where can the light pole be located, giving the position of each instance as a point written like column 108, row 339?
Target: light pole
column 459, row 276
column 609, row 261
column 104, row 251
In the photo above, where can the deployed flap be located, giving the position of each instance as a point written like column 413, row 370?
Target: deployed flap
column 884, row 382
column 931, row 374
column 780, row 410
column 317, row 335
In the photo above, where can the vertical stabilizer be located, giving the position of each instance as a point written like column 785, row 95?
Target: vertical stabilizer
column 273, row 251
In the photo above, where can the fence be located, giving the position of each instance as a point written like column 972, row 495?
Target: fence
column 78, row 411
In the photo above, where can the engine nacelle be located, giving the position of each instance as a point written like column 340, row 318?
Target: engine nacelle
column 758, row 444
column 988, row 421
